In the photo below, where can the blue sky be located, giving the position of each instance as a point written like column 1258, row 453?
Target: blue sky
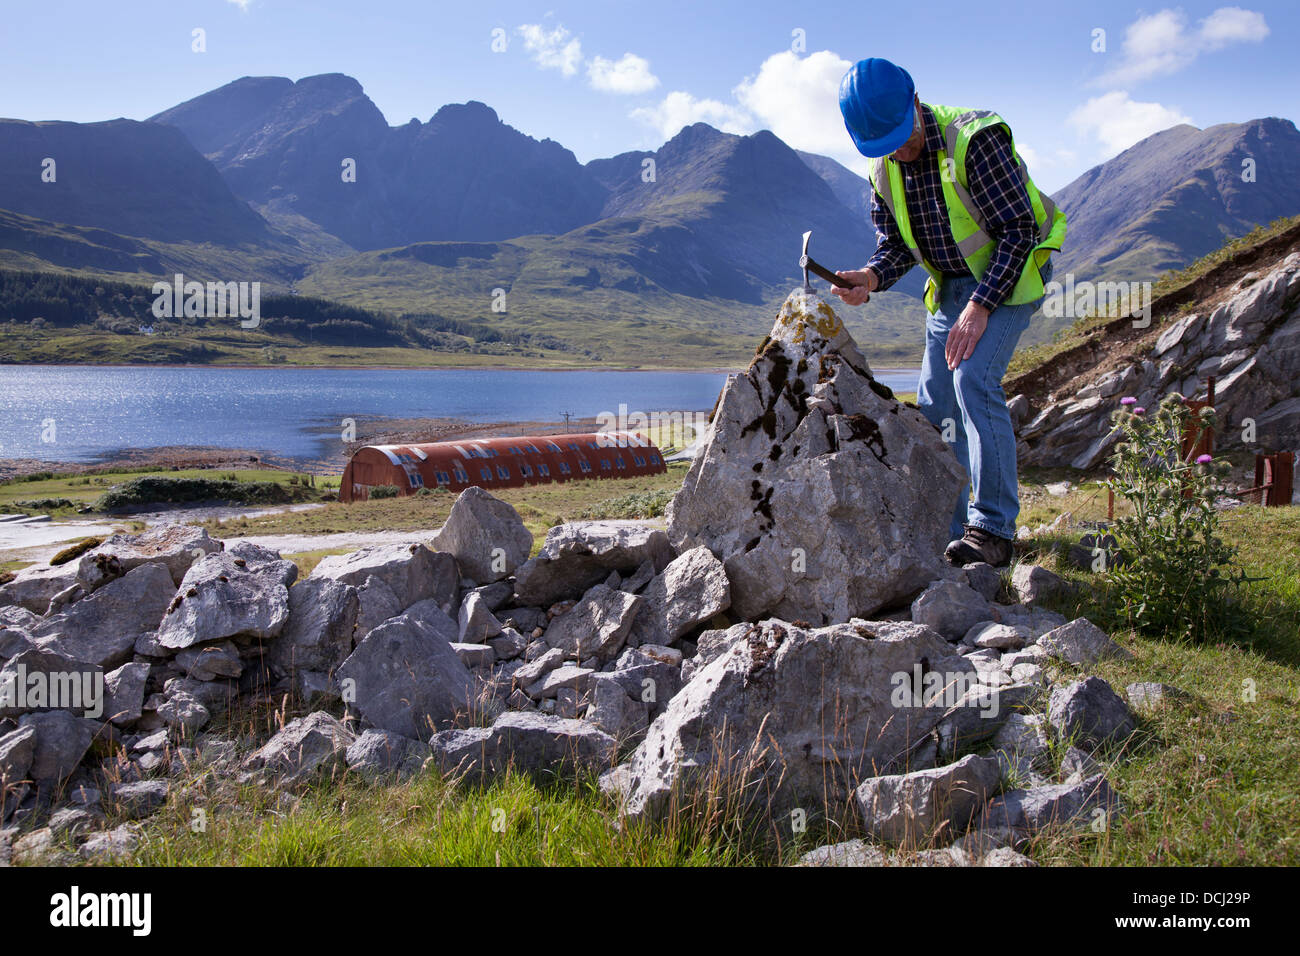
column 604, row 77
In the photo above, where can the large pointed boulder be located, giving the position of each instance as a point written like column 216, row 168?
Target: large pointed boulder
column 823, row 495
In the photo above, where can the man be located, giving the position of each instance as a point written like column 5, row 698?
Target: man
column 950, row 192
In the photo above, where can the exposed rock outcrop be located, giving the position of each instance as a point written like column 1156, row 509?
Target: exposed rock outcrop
column 814, row 486
column 1250, row 342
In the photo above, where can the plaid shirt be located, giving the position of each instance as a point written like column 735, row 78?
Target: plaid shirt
column 995, row 186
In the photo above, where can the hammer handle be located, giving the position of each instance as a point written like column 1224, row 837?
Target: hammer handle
column 817, row 269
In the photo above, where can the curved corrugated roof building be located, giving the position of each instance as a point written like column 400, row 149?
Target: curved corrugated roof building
column 499, row 462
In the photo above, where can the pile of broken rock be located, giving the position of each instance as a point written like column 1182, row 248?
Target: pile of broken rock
column 662, row 660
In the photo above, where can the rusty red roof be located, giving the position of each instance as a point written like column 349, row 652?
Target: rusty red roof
column 499, row 462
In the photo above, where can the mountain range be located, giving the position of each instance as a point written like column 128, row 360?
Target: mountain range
column 675, row 256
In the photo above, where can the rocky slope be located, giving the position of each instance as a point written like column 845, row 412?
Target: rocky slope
column 1239, row 323
column 134, row 179
column 1177, row 195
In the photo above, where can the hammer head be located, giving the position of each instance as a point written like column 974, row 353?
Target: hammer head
column 803, row 260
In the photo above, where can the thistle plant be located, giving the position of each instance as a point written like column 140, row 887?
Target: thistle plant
column 1178, row 576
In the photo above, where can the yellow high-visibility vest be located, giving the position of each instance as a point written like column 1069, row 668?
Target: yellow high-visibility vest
column 964, row 218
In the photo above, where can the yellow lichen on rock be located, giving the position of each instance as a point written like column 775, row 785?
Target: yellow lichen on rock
column 807, row 319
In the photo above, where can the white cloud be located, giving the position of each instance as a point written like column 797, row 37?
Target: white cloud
column 629, row 74
column 1232, row 25
column 242, row 4
column 679, row 109
column 552, row 49
column 1161, row 43
column 798, row 100
column 1029, row 155
column 1050, row 169
column 1118, row 122
column 558, row 49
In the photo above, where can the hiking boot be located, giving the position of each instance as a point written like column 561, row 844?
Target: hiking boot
column 979, row 545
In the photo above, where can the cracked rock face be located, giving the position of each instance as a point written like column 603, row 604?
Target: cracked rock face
column 792, row 717
column 824, row 497
column 1250, row 342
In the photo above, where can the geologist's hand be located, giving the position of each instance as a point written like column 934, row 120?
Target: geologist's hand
column 965, row 335
column 864, row 283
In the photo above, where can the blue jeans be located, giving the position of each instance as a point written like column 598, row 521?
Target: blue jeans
column 969, row 408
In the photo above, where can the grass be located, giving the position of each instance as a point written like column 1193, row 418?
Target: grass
column 76, row 550
column 238, row 347
column 84, row 490
column 307, row 560
column 541, row 506
column 1175, row 278
column 426, row 822
column 643, row 504
column 1213, row 779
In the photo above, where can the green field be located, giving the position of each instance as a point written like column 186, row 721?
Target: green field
column 541, row 507
column 84, row 490
column 382, row 309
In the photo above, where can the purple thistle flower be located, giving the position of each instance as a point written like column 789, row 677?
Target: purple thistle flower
column 1204, row 459
column 1138, row 411
column 1128, row 400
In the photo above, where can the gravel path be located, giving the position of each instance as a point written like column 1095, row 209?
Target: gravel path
column 38, row 541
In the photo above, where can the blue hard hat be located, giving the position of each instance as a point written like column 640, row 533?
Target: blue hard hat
column 876, row 98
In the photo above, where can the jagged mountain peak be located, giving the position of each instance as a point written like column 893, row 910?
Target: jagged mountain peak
column 1177, row 195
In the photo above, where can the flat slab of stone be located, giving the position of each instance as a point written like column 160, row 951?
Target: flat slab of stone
column 224, row 595
column 377, row 754
column 485, row 535
column 406, row 678
column 579, row 554
column 534, row 743
column 412, row 572
column 1146, row 695
column 318, row 634
column 915, row 809
column 1090, row 713
column 1081, row 642
column 596, row 626
column 689, row 592
column 102, row 628
column 1068, row 805
column 175, row 546
column 951, row 608
column 33, row 588
column 315, row 744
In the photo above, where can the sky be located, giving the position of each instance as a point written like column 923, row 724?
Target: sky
column 1077, row 85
